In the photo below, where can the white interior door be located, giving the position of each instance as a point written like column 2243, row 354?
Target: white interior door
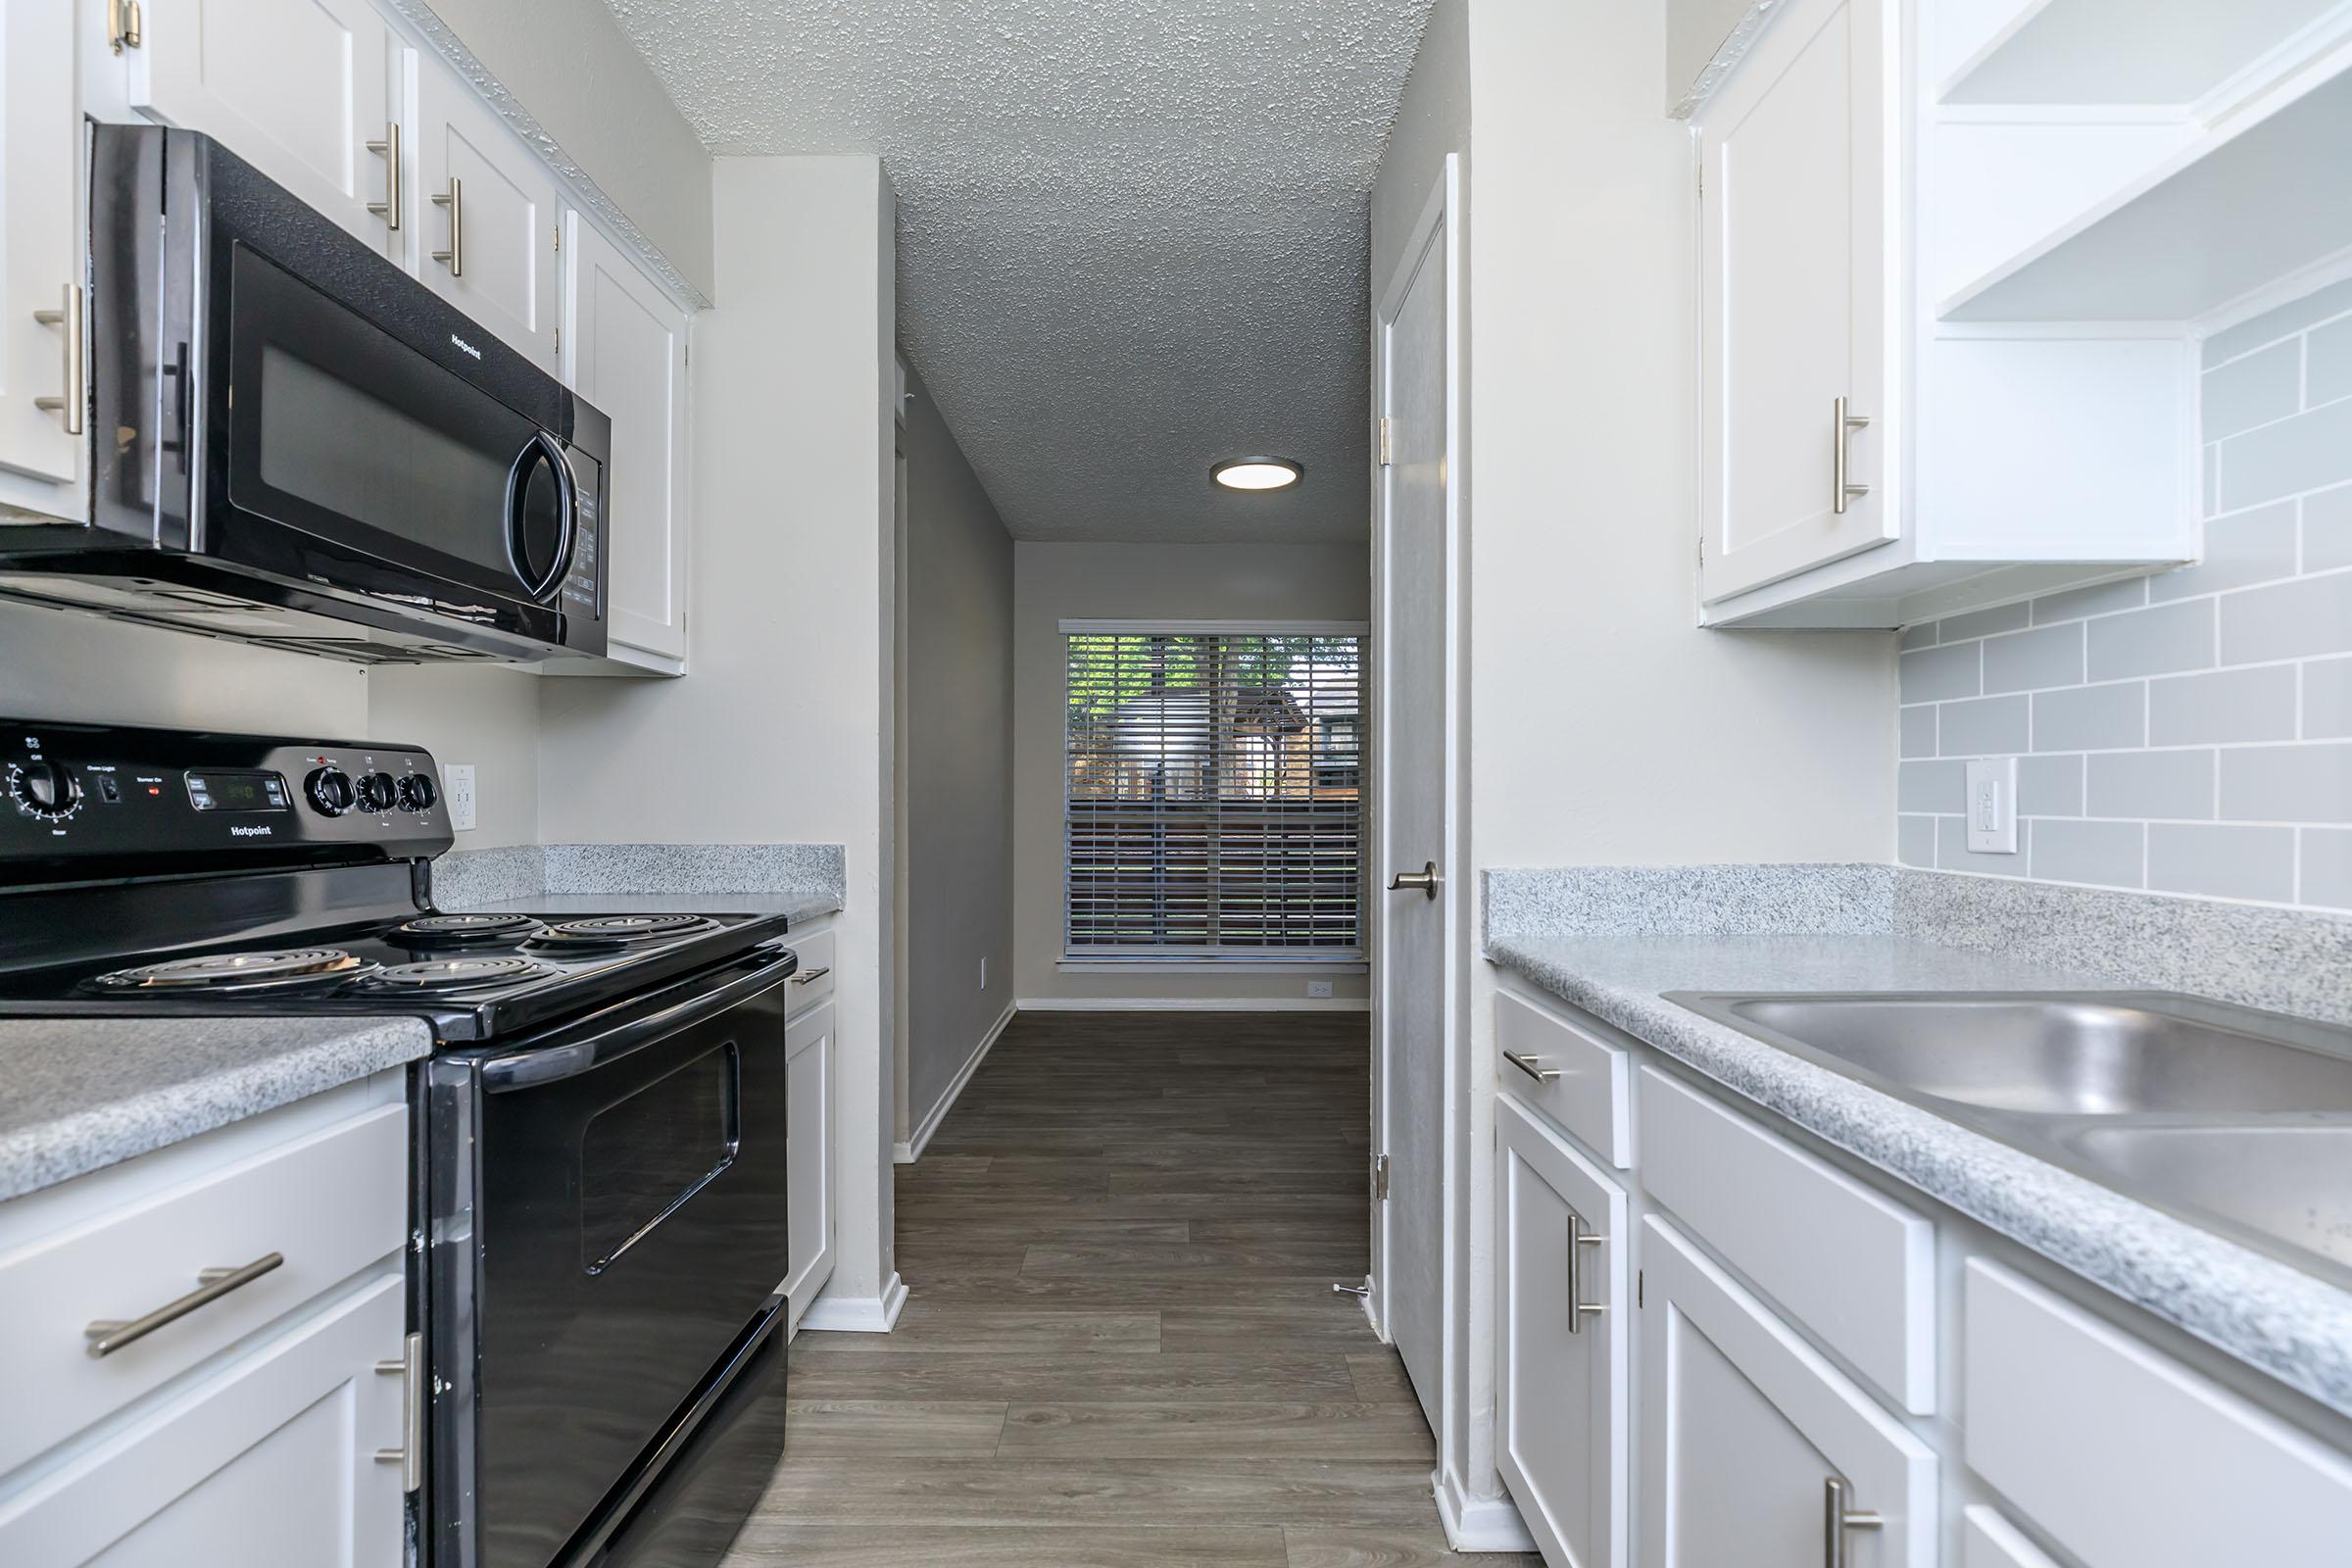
column 1413, row 653
column 1793, row 290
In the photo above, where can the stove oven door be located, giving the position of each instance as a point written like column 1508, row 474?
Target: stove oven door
column 627, row 1196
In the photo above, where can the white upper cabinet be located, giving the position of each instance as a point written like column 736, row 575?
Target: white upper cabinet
column 487, row 212
column 1796, row 257
column 624, row 350
column 41, row 342
column 297, row 88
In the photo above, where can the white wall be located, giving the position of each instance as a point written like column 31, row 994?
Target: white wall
column 488, row 718
column 573, row 71
column 1604, row 726
column 957, row 767
column 1695, row 31
column 782, row 731
column 1112, row 581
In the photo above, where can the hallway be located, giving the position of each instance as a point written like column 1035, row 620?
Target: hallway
column 1122, row 1348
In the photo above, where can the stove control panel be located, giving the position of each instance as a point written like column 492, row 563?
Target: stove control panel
column 82, row 793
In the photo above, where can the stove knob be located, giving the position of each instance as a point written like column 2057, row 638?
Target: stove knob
column 417, row 792
column 329, row 790
column 44, row 789
column 377, row 791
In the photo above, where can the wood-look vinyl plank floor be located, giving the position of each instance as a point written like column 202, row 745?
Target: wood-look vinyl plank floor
column 1121, row 1348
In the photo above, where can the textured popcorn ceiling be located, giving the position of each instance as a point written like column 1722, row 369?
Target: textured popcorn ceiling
column 1131, row 235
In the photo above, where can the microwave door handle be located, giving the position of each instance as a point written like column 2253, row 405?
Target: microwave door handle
column 530, row 1069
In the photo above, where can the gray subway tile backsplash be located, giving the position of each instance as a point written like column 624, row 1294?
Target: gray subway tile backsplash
column 2191, row 731
column 2046, row 655
column 2306, row 783
column 2223, row 705
column 1933, row 674
column 2254, row 389
column 2223, row 861
column 2288, row 620
column 2327, row 699
column 2091, row 718
column 2106, row 853
column 2155, row 641
column 1984, row 726
column 2149, row 784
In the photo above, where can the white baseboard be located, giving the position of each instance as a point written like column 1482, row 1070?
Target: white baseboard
column 857, row 1314
column 1478, row 1524
column 908, row 1153
column 1195, row 1004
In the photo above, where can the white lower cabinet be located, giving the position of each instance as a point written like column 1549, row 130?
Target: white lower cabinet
column 269, row 1464
column 808, row 1154
column 1564, row 1343
column 1756, row 1450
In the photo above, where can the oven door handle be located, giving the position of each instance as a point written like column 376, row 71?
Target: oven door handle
column 530, row 1069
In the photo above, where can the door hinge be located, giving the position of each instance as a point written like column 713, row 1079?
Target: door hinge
column 558, row 236
column 123, row 25
column 1384, row 440
column 1639, row 1292
column 1380, row 1179
column 1702, row 180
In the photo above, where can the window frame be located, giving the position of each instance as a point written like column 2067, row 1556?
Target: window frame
column 1351, row 960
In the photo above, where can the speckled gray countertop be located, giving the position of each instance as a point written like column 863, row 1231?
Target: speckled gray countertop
column 78, row 1093
column 795, row 907
column 2294, row 1325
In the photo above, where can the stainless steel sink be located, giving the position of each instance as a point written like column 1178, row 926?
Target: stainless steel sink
column 2235, row 1119
column 2061, row 1053
column 2291, row 1183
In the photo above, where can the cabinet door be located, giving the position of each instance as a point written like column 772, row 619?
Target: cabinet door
column 808, row 1156
column 486, row 216
column 1746, row 1427
column 624, row 350
column 1565, row 1344
column 39, row 250
column 1794, row 280
column 272, row 1463
column 297, row 88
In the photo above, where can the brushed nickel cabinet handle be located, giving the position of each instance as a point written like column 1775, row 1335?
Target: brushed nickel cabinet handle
column 808, row 975
column 1578, row 1239
column 389, row 208
column 1530, row 1066
column 1424, row 880
column 69, row 317
column 409, row 1455
column 109, row 1335
column 1836, row 1520
column 1843, row 426
column 454, row 200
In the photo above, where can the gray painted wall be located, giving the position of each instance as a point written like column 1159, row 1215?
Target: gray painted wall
column 570, row 66
column 958, row 762
column 1054, row 582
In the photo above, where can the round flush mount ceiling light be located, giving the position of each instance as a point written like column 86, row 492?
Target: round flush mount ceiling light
column 1257, row 473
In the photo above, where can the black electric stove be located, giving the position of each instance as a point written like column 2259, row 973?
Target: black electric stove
column 601, row 1202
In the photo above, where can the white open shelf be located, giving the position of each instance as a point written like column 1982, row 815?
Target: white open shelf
column 2125, row 51
column 2262, row 196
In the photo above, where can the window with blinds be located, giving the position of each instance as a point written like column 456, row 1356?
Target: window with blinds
column 1213, row 790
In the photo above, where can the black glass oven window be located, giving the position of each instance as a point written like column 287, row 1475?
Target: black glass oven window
column 338, row 445
column 645, row 1155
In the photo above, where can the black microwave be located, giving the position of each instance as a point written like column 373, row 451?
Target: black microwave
column 295, row 443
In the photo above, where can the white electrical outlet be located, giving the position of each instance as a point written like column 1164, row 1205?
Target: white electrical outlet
column 1319, row 988
column 1991, row 805
column 457, row 787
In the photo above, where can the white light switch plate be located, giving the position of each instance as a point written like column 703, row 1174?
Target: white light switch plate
column 457, row 787
column 1991, row 805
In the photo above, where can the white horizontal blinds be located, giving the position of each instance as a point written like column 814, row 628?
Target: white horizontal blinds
column 1213, row 794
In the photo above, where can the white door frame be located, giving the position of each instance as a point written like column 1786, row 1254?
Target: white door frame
column 1437, row 227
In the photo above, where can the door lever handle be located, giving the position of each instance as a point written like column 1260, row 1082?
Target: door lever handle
column 1425, row 879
